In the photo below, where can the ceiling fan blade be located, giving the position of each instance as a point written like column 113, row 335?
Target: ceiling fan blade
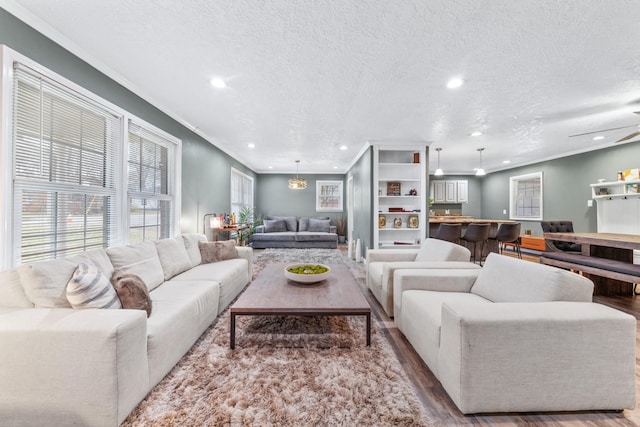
column 633, row 135
column 603, row 130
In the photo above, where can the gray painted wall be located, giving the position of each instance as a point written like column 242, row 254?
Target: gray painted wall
column 273, row 196
column 566, row 185
column 206, row 170
column 362, row 173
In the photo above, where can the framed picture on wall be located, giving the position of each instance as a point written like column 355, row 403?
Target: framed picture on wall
column 329, row 196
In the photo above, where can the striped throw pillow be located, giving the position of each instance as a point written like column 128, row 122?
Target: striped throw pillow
column 89, row 288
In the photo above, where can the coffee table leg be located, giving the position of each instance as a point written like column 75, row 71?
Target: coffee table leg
column 232, row 338
column 368, row 329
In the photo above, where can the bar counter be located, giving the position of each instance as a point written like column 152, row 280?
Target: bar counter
column 492, row 246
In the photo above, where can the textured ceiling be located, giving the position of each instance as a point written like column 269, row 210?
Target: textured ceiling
column 305, row 78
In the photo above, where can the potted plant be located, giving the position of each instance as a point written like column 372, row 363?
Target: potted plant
column 340, row 228
column 247, row 217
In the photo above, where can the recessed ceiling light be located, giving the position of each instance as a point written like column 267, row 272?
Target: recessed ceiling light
column 506, row 162
column 218, row 83
column 251, row 145
column 455, row 83
column 476, row 133
column 335, row 167
column 270, row 167
column 598, row 138
column 343, row 147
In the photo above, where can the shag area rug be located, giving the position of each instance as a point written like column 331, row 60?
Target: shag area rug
column 286, row 371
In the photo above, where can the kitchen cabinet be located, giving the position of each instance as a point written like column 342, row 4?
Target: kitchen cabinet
column 450, row 191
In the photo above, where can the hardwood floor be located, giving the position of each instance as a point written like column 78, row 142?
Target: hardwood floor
column 438, row 404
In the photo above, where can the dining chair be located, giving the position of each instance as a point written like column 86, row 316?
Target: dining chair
column 477, row 233
column 449, row 232
column 509, row 233
column 556, row 245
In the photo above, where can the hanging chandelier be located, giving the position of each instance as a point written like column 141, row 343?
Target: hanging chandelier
column 297, row 183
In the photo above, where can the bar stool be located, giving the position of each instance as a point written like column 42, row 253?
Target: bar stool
column 477, row 233
column 449, row 232
column 509, row 233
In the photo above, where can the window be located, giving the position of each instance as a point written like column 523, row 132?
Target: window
column 65, row 150
column 64, row 188
column 525, row 197
column 150, row 203
column 241, row 192
column 329, row 196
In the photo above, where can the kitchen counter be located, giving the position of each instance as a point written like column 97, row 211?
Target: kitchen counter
column 466, row 220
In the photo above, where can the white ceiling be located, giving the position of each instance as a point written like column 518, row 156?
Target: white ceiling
column 306, row 77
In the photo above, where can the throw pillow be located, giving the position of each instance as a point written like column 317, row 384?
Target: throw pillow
column 140, row 259
column 191, row 245
column 275, row 225
column 132, row 292
column 217, row 251
column 319, row 225
column 303, row 223
column 89, row 288
column 289, row 220
column 173, row 256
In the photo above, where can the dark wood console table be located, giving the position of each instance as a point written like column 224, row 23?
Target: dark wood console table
column 612, row 249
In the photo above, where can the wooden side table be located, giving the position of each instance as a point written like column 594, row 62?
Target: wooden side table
column 238, row 228
column 535, row 243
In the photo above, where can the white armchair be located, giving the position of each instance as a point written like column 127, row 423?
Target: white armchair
column 434, row 253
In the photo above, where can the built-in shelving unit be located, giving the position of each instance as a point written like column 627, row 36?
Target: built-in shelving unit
column 399, row 176
column 615, row 189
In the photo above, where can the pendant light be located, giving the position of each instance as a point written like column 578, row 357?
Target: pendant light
column 438, row 171
column 480, row 171
column 297, row 183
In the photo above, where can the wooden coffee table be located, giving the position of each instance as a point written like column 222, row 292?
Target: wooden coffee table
column 272, row 294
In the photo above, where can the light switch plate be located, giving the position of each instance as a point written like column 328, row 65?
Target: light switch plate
column 504, row 211
column 589, row 203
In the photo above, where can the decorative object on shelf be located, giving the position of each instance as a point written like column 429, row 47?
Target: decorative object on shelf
column 397, row 222
column 413, row 221
column 416, row 157
column 438, row 171
column 393, row 188
column 396, row 210
column 631, row 174
column 603, row 191
column 413, row 192
column 619, row 176
column 480, row 171
column 382, row 221
column 297, row 183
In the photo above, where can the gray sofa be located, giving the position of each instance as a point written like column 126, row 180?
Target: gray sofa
column 91, row 367
column 292, row 232
column 515, row 336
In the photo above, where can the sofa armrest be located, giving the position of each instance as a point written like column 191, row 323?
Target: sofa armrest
column 391, row 255
column 551, row 356
column 259, row 229
column 65, row 366
column 246, row 253
column 431, row 279
column 333, row 229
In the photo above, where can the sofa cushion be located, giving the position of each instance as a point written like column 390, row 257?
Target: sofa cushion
column 441, row 250
column 507, row 279
column 303, row 223
column 140, row 259
column 217, row 251
column 181, row 313
column 286, row 236
column 191, row 245
column 132, row 292
column 45, row 282
column 275, row 225
column 173, row 256
column 319, row 225
column 292, row 224
column 97, row 257
column 11, row 291
column 90, row 288
column 314, row 236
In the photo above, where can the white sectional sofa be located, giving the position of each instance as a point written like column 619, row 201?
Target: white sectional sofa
column 516, row 336
column 91, row 367
column 433, row 253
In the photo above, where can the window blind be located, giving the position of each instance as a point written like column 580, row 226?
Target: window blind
column 66, row 150
column 151, row 203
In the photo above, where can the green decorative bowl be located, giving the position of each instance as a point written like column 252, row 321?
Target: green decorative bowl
column 307, row 272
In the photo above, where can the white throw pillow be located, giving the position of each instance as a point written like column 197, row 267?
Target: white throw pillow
column 89, row 288
column 140, row 259
column 191, row 245
column 45, row 282
column 173, row 256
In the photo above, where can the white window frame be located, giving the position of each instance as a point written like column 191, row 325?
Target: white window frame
column 531, row 196
column 233, row 202
column 10, row 242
